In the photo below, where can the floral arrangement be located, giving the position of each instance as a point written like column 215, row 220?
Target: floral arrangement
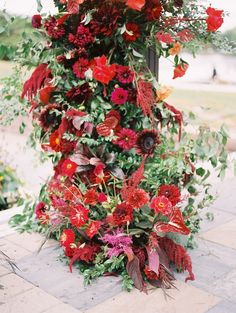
column 9, row 185
column 123, row 197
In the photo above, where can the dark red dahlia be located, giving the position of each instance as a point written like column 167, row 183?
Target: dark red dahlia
column 105, row 20
column 124, row 74
column 171, row 192
column 126, row 139
column 49, row 117
column 80, row 67
column 146, row 142
column 141, row 255
column 79, row 94
column 36, row 21
column 123, row 214
column 138, row 198
column 132, row 33
column 82, row 38
column 153, row 10
column 87, row 252
column 54, row 30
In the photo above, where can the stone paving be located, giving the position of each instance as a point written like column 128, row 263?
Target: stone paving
column 44, row 284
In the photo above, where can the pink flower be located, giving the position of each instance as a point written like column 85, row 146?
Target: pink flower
column 161, row 204
column 124, row 74
column 126, row 139
column 119, row 96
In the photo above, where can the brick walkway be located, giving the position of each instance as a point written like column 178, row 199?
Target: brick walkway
column 44, row 284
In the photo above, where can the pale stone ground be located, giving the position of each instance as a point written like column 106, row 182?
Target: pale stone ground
column 44, row 284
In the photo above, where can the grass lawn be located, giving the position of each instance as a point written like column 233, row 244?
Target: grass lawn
column 211, row 108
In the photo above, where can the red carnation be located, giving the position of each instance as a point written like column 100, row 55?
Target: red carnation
column 36, row 21
column 103, row 72
column 214, row 20
column 123, row 214
column 68, row 168
column 93, row 228
column 138, row 198
column 161, row 204
column 119, row 96
column 54, row 30
column 79, row 216
column 80, row 67
column 126, row 139
column 180, row 70
column 82, row 38
column 132, row 32
column 171, row 192
column 67, row 237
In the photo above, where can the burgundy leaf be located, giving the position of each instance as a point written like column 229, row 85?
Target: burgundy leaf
column 77, row 122
column 80, row 159
column 133, row 269
column 95, row 161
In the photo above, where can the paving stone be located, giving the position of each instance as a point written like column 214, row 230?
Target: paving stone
column 11, row 286
column 6, row 230
column 4, row 271
column 220, row 217
column 226, row 287
column 34, row 300
column 223, row 307
column 30, row 241
column 13, row 251
column 50, row 274
column 186, row 299
column 224, row 234
column 62, row 308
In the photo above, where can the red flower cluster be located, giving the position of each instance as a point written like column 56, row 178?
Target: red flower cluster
column 214, row 20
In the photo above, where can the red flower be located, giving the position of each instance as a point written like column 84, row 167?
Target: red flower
column 214, row 20
column 126, row 139
column 86, row 253
column 171, row 192
column 69, row 251
column 93, row 228
column 36, row 21
column 135, row 4
column 103, row 72
column 123, row 214
column 161, row 204
column 72, row 194
column 49, row 118
column 45, row 94
column 41, row 213
column 102, row 197
column 132, row 32
column 67, row 237
column 124, row 74
column 153, row 10
column 59, row 144
column 80, row 67
column 98, row 171
column 79, row 216
column 185, row 35
column 164, row 37
column 119, row 96
column 180, row 70
column 79, row 94
column 90, row 197
column 110, row 124
column 54, row 30
column 82, row 38
column 147, row 141
column 138, row 198
column 68, row 168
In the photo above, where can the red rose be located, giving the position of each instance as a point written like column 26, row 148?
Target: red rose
column 36, row 21
column 180, row 70
column 136, row 4
column 103, row 72
column 214, row 20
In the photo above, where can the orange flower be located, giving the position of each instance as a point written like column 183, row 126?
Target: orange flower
column 163, row 93
column 136, row 4
column 180, row 70
column 176, row 49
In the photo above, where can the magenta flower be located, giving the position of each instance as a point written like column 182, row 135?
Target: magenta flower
column 117, row 241
column 126, row 139
column 119, row 96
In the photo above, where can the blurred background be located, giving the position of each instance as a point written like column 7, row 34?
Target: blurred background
column 208, row 89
